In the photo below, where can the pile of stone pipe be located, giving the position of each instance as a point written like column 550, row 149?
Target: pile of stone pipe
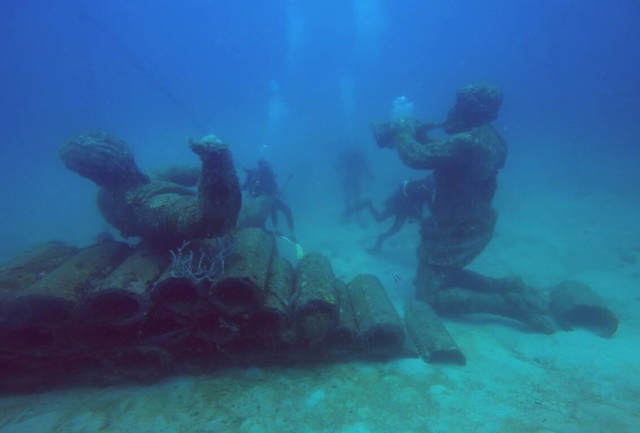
column 113, row 310
column 45, row 317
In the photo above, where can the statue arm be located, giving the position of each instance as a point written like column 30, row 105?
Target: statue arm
column 432, row 154
column 219, row 195
column 482, row 150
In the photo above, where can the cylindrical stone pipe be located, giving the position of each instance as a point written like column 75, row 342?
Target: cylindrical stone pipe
column 123, row 296
column 53, row 300
column 195, row 268
column 163, row 328
column 380, row 329
column 342, row 339
column 316, row 309
column 71, row 279
column 179, row 293
column 33, row 265
column 273, row 321
column 576, row 304
column 433, row 341
column 214, row 326
column 36, row 341
column 242, row 286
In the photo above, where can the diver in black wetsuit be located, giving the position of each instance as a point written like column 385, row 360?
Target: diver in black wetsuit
column 261, row 181
column 354, row 168
column 407, row 202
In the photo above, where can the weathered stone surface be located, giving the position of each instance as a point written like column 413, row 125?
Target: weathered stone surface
column 380, row 329
column 33, row 265
column 316, row 309
column 576, row 304
column 103, row 158
column 428, row 333
column 162, row 213
column 242, row 285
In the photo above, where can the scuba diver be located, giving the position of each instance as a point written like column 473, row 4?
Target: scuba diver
column 406, row 203
column 261, row 183
column 355, row 170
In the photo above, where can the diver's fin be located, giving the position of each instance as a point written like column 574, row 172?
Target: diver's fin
column 299, row 250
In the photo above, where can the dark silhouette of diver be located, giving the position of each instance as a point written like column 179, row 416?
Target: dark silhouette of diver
column 354, row 168
column 261, row 181
column 407, row 202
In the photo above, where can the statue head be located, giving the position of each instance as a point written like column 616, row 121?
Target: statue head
column 476, row 104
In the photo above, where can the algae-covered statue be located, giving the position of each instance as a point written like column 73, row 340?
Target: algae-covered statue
column 465, row 166
column 160, row 212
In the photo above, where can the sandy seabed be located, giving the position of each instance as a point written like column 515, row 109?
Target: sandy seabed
column 515, row 380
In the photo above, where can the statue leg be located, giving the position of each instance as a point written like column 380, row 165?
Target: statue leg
column 467, row 292
column 398, row 223
column 448, row 244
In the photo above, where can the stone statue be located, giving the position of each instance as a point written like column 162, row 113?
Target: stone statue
column 161, row 213
column 465, row 167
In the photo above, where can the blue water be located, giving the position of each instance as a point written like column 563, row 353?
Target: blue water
column 293, row 79
column 298, row 82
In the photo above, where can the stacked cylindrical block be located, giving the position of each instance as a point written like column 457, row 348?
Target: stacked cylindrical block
column 316, row 307
column 113, row 311
column 380, row 329
column 433, row 342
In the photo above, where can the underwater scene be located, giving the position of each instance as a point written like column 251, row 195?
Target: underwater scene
column 303, row 216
